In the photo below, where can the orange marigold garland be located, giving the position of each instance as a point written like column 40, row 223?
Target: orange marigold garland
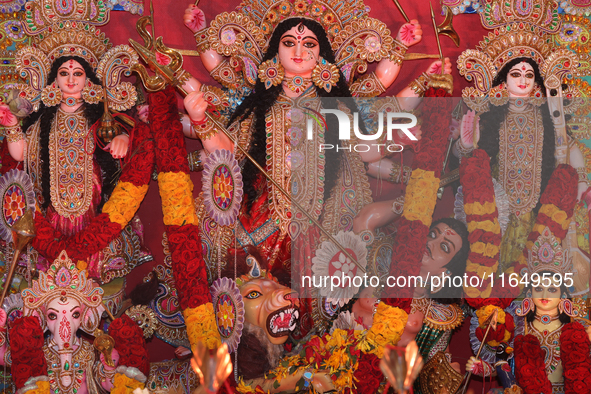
column 180, row 220
column 124, row 202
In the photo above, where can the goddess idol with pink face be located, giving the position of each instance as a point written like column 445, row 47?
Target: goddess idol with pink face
column 519, row 125
column 73, row 169
column 301, row 56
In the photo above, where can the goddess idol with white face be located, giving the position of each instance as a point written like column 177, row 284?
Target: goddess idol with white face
column 516, row 127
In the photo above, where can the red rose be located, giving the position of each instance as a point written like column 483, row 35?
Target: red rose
column 367, row 375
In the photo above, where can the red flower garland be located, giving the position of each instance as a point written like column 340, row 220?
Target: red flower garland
column 368, row 375
column 479, row 201
column 130, row 343
column 530, row 369
column 188, row 266
column 100, row 231
column 411, row 235
column 560, row 192
column 576, row 363
column 26, row 347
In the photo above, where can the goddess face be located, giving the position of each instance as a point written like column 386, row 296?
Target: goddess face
column 547, row 298
column 298, row 51
column 71, row 78
column 270, row 306
column 521, row 80
column 442, row 245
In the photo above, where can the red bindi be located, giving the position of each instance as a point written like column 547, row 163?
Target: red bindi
column 449, row 232
column 523, row 68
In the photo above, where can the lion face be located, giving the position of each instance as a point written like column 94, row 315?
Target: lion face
column 272, row 307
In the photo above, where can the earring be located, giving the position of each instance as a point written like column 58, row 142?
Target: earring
column 537, row 97
column 566, row 306
column 92, row 94
column 499, row 95
column 271, row 72
column 51, row 95
column 526, row 305
column 325, row 75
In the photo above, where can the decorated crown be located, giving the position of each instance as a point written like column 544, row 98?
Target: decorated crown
column 547, row 255
column 355, row 38
column 63, row 279
column 521, row 28
column 68, row 28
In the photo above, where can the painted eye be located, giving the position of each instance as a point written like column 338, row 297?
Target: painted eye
column 253, row 295
column 444, row 247
column 52, row 316
column 515, row 75
column 288, row 43
column 76, row 315
column 310, row 44
column 431, row 234
column 530, row 75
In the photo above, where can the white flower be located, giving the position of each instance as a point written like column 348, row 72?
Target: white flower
column 332, row 267
column 346, row 321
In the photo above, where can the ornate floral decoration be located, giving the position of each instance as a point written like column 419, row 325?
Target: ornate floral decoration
column 63, row 279
column 330, row 261
column 574, row 33
column 135, row 7
column 576, row 7
column 222, row 186
column 462, row 6
column 547, row 255
column 144, row 317
column 229, row 311
column 12, row 40
column 68, row 28
column 520, row 29
column 17, row 194
column 243, row 34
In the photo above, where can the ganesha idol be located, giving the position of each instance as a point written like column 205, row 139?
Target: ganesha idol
column 64, row 301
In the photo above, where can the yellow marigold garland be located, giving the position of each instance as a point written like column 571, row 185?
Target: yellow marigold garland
column 42, row 388
column 123, row 384
column 124, row 202
column 201, row 326
column 176, row 192
column 420, row 199
column 387, row 328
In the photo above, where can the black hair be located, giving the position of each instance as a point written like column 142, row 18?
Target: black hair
column 457, row 264
column 261, row 99
column 563, row 317
column 93, row 113
column 490, row 124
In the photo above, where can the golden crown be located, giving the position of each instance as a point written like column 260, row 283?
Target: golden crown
column 68, row 28
column 521, row 28
column 64, row 280
column 547, row 254
column 355, row 38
